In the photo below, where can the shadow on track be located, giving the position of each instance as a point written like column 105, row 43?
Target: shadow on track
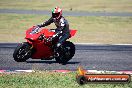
column 50, row 62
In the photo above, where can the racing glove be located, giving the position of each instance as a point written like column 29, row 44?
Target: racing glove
column 41, row 25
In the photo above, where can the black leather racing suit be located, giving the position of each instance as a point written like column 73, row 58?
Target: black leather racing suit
column 62, row 30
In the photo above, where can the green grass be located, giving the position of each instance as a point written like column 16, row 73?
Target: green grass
column 76, row 5
column 106, row 30
column 45, row 79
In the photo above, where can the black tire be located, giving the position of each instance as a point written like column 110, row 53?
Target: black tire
column 22, row 52
column 66, row 53
column 81, row 80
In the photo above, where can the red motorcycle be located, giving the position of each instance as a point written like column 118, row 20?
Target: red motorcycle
column 39, row 45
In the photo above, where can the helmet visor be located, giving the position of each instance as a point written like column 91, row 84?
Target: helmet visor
column 55, row 15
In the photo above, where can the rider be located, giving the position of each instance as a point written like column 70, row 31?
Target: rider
column 62, row 31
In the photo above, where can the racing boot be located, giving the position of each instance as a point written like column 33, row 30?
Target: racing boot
column 57, row 50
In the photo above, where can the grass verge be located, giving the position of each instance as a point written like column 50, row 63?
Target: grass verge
column 44, row 79
column 75, row 5
column 107, row 30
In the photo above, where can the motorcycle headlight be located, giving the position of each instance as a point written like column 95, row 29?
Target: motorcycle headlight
column 30, row 40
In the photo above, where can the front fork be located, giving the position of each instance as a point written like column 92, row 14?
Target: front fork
column 30, row 49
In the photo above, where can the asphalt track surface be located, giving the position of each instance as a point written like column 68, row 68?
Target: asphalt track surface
column 90, row 57
column 67, row 13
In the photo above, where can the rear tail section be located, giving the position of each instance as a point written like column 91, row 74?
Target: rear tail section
column 72, row 32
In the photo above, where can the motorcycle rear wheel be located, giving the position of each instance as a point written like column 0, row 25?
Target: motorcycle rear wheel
column 66, row 53
column 22, row 52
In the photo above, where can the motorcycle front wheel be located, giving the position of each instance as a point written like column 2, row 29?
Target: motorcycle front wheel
column 22, row 52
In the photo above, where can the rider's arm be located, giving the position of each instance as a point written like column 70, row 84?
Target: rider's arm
column 60, row 29
column 46, row 23
column 62, row 24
